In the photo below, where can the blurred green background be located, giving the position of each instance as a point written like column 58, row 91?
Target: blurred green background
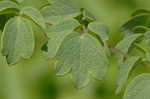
column 35, row 78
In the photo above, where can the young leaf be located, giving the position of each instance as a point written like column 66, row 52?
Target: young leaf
column 57, row 33
column 100, row 30
column 87, row 16
column 34, row 15
column 60, row 10
column 125, row 69
column 84, row 55
column 17, row 40
column 8, row 6
column 139, row 88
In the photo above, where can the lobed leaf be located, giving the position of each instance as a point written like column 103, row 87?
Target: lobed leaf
column 84, row 56
column 57, row 33
column 139, row 88
column 100, row 30
column 17, row 40
column 60, row 10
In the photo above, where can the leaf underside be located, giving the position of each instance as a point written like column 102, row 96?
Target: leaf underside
column 57, row 33
column 126, row 43
column 17, row 40
column 60, row 10
column 83, row 55
column 139, row 88
column 100, row 29
column 124, row 72
column 34, row 15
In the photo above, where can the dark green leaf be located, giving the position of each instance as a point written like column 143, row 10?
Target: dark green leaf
column 8, row 7
column 141, row 12
column 142, row 20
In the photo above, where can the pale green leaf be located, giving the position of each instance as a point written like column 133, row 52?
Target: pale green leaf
column 125, row 69
column 127, row 42
column 124, row 45
column 34, row 15
column 57, row 33
column 60, row 10
column 8, row 7
column 17, row 40
column 84, row 55
column 100, row 30
column 139, row 88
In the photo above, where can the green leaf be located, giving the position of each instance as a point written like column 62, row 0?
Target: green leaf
column 127, row 42
column 8, row 7
column 141, row 12
column 142, row 20
column 18, row 1
column 88, row 16
column 145, row 47
column 49, row 1
column 84, row 55
column 57, row 33
column 60, row 10
column 100, row 29
column 125, row 69
column 17, row 40
column 34, row 15
column 124, row 45
column 139, row 88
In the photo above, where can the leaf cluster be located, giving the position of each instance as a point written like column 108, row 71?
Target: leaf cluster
column 77, row 42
